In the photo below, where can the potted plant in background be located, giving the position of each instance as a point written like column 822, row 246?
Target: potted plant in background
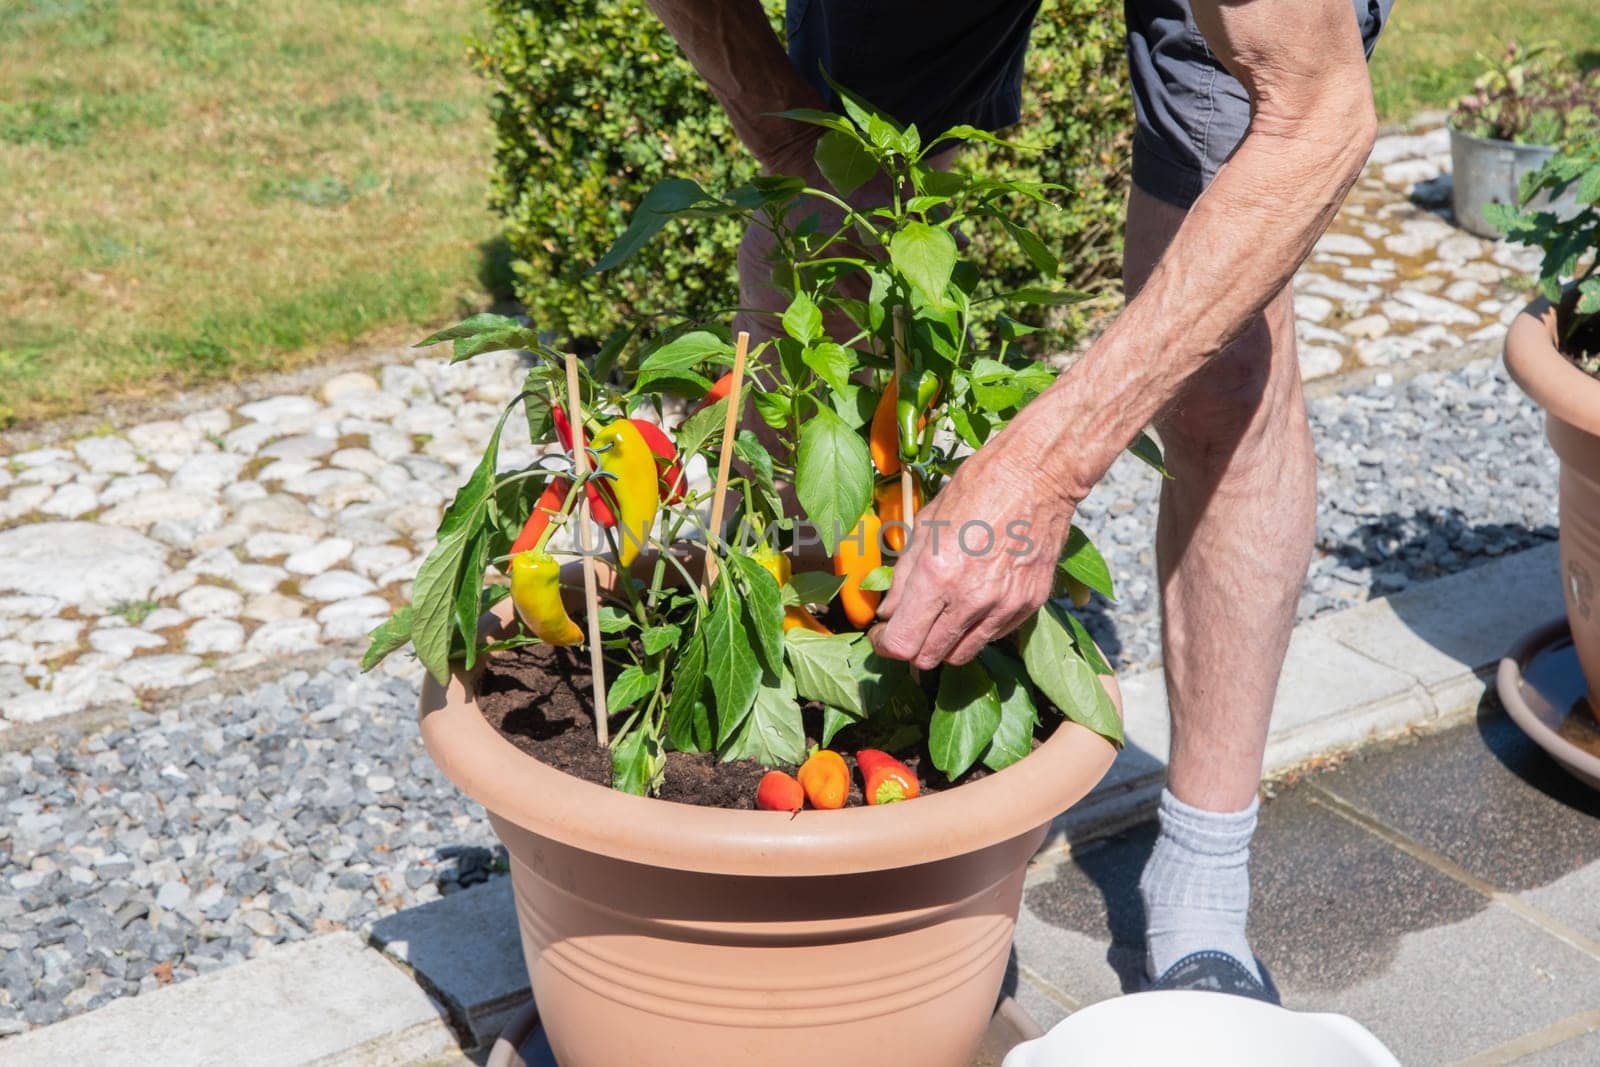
column 1519, row 110
column 1553, row 353
column 661, row 921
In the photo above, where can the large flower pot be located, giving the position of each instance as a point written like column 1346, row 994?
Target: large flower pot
column 1571, row 400
column 1485, row 170
column 660, row 933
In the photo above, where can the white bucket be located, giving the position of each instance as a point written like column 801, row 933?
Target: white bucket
column 1195, row 1029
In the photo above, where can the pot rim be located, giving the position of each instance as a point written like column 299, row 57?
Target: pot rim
column 549, row 802
column 1553, row 381
column 1498, row 142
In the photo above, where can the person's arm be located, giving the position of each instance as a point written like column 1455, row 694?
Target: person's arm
column 1311, row 130
column 732, row 46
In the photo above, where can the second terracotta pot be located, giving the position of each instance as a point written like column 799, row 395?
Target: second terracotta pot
column 664, row 934
column 1571, row 400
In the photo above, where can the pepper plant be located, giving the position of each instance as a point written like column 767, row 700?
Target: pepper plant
column 872, row 390
column 1569, row 276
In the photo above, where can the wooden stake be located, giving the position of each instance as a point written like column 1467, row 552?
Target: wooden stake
column 730, row 427
column 591, row 594
column 908, row 494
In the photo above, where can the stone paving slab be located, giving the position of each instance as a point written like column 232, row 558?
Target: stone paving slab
column 330, row 999
column 1350, row 922
column 1485, row 797
column 1377, row 669
column 466, row 949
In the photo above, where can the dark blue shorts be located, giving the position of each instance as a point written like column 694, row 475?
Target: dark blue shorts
column 942, row 62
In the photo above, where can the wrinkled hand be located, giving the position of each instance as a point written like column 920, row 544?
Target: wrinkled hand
column 982, row 558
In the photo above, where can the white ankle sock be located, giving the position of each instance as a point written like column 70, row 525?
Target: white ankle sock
column 1196, row 886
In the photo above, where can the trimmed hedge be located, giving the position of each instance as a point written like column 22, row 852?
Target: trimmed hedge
column 594, row 104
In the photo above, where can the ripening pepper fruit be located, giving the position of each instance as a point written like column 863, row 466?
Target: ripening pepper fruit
column 857, row 556
column 777, row 564
column 666, row 453
column 599, row 509
column 633, row 490
column 889, row 501
column 718, row 390
column 779, row 792
column 884, row 779
column 826, row 779
column 911, row 411
column 536, row 592
column 546, row 508
column 883, row 438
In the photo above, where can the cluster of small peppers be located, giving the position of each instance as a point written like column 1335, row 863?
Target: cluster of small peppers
column 639, row 470
column 823, row 781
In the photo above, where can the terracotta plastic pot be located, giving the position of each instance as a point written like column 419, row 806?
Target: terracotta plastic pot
column 667, row 934
column 1571, row 400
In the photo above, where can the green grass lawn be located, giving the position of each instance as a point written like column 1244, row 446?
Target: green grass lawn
column 1428, row 54
column 204, row 189
column 197, row 189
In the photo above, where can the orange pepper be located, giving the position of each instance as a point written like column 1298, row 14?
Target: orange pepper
column 894, row 521
column 857, row 556
column 884, row 439
column 826, row 779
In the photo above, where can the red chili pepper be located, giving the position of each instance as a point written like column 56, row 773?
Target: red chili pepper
column 718, row 390
column 666, row 454
column 599, row 507
column 545, row 509
column 779, row 792
column 885, row 779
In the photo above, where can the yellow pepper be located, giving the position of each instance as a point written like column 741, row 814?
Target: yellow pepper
column 536, row 592
column 777, row 565
column 635, row 488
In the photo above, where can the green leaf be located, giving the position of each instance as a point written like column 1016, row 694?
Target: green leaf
column 637, row 762
column 613, row 620
column 803, row 319
column 826, row 668
column 845, row 161
column 681, row 354
column 814, row 587
column 1085, row 644
column 473, row 563
column 1146, row 449
column 435, row 592
column 966, row 714
column 925, row 255
column 1041, row 257
column 1589, row 296
column 731, row 663
column 994, row 385
column 878, row 579
column 763, row 606
column 834, row 720
column 1063, row 676
column 773, row 732
column 689, row 726
column 833, row 476
column 861, row 113
column 773, row 409
column 659, row 638
column 392, row 634
column 1013, row 738
column 1038, row 295
column 671, row 197
column 814, row 117
column 832, row 363
column 964, row 132
column 698, row 428
column 1083, row 561
column 486, row 332
column 628, row 688
column 755, row 456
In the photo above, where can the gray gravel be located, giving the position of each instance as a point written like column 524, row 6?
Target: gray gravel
column 202, row 837
column 1417, row 479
